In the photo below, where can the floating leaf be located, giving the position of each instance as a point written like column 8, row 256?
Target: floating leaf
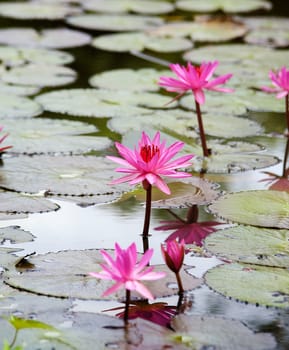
column 18, row 89
column 253, row 245
column 61, row 175
column 58, row 38
column 153, row 7
column 14, row 234
column 30, row 73
column 21, row 323
column 114, row 22
column 208, row 332
column 61, row 275
column 12, row 106
column 12, row 203
column 223, row 5
column 32, row 10
column 138, row 41
column 262, row 285
column 144, row 79
column 13, row 56
column 257, row 208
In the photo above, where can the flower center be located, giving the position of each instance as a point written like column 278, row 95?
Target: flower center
column 148, row 151
column 198, row 70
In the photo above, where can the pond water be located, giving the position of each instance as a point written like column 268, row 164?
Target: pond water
column 75, row 227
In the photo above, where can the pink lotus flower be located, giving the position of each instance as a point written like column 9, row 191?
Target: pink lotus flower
column 151, row 160
column 280, row 80
column 195, row 79
column 126, row 271
column 173, row 253
column 3, row 149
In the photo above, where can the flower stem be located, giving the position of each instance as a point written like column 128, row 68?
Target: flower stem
column 127, row 302
column 180, row 284
column 287, row 112
column 285, row 157
column 146, row 225
column 206, row 152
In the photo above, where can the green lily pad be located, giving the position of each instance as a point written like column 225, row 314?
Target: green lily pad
column 262, row 285
column 61, row 175
column 13, row 56
column 18, row 90
column 224, row 163
column 100, row 103
column 252, row 245
column 223, row 5
column 17, row 203
column 58, row 38
column 138, row 6
column 144, row 79
column 14, row 234
column 61, row 275
column 52, row 136
column 50, row 75
column 31, row 10
column 208, row 332
column 114, row 22
column 258, row 208
column 137, row 41
column 12, row 106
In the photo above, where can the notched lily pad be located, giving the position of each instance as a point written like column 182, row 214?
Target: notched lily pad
column 14, row 234
column 58, row 38
column 61, row 175
column 261, row 285
column 253, row 245
column 61, row 275
column 12, row 106
column 17, row 203
column 208, row 332
column 188, row 192
column 31, row 10
column 114, row 22
column 258, row 208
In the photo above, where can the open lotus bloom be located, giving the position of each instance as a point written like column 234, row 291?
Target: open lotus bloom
column 280, row 81
column 126, row 271
column 195, row 79
column 151, row 160
column 2, row 138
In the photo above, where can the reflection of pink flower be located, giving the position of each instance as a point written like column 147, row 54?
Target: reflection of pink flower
column 150, row 161
column 173, row 253
column 280, row 80
column 191, row 233
column 126, row 271
column 159, row 313
column 278, row 183
column 3, row 149
column 195, row 79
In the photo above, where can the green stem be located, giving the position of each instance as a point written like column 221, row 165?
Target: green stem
column 127, row 302
column 145, row 232
column 14, row 339
column 206, row 152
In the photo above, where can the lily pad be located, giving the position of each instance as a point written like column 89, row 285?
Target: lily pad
column 144, row 79
column 12, row 106
column 258, row 208
column 61, row 275
column 208, row 332
column 16, row 203
column 114, row 22
column 137, row 41
column 253, row 245
column 58, row 38
column 50, row 75
column 61, row 175
column 18, row 90
column 138, row 6
column 196, row 191
column 223, row 5
column 13, row 56
column 15, row 234
column 32, row 10
column 261, row 285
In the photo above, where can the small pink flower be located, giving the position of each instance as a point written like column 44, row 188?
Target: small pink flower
column 151, row 160
column 4, row 148
column 173, row 254
column 280, row 80
column 126, row 271
column 195, row 79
